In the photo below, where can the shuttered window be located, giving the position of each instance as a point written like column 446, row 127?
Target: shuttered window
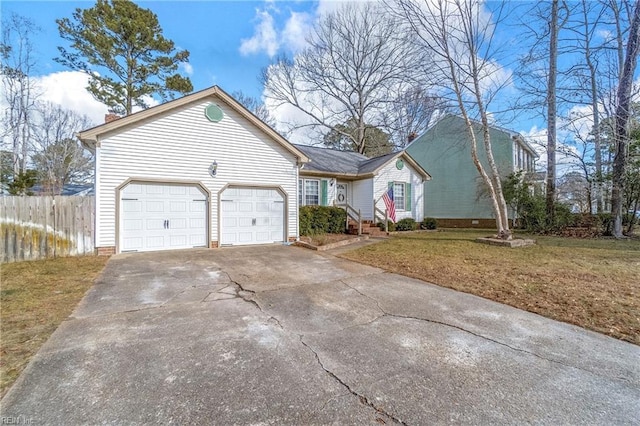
column 309, row 192
column 401, row 195
column 398, row 195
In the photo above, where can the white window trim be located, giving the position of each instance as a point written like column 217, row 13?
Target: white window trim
column 303, row 195
column 404, row 196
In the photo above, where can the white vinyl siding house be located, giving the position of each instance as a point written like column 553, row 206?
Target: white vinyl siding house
column 172, row 147
column 353, row 179
column 406, row 181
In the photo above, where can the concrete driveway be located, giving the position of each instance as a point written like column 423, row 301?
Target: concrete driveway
column 283, row 335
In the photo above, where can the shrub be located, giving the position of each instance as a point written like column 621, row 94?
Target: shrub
column 316, row 220
column 407, row 224
column 428, row 223
column 605, row 223
column 392, row 226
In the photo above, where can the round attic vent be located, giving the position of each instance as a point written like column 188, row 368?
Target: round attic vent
column 213, row 112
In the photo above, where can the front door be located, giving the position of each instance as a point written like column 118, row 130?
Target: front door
column 341, row 193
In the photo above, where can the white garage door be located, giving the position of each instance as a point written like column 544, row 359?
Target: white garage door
column 162, row 217
column 251, row 216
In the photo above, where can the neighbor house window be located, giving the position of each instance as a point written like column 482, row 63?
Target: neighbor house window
column 398, row 195
column 309, row 192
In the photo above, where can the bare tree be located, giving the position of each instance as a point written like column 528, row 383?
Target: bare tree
column 356, row 62
column 258, row 108
column 460, row 37
column 58, row 157
column 410, row 114
column 623, row 112
column 18, row 91
column 554, row 27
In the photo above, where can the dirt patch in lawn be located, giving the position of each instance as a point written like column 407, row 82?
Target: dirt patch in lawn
column 36, row 297
column 592, row 283
column 325, row 239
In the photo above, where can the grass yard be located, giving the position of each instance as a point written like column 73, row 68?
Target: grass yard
column 35, row 297
column 591, row 283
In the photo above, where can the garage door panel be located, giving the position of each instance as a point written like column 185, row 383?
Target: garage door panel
column 177, row 206
column 245, row 237
column 178, row 240
column 198, row 206
column 131, row 206
column 154, row 224
column 154, row 206
column 178, row 190
column 197, row 240
column 179, row 223
column 132, row 225
column 228, row 206
column 154, row 190
column 163, row 216
column 197, row 223
column 229, row 222
column 155, row 242
column 245, row 207
column 131, row 243
column 263, row 237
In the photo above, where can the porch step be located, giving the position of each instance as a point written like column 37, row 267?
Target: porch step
column 368, row 228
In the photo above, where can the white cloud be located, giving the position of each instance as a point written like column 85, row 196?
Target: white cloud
column 187, row 68
column 565, row 162
column 296, row 29
column 68, row 89
column 265, row 37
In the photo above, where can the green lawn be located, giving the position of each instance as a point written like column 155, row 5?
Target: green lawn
column 593, row 283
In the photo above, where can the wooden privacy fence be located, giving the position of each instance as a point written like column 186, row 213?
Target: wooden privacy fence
column 39, row 227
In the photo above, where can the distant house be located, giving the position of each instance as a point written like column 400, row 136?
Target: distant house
column 68, row 190
column 348, row 178
column 456, row 194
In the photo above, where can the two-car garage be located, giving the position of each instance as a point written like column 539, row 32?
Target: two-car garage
column 167, row 216
column 199, row 171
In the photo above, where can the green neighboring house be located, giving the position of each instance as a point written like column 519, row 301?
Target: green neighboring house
column 456, row 195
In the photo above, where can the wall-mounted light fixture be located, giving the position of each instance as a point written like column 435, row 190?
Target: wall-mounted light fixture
column 332, row 181
column 213, row 168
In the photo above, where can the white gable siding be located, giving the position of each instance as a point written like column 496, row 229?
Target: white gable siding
column 362, row 198
column 391, row 173
column 180, row 145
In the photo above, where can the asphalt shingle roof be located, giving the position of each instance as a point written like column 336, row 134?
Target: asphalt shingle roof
column 332, row 161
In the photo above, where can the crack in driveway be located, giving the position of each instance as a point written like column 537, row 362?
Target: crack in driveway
column 361, row 397
column 457, row 327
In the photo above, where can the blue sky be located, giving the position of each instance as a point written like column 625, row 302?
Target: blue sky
column 212, row 31
column 230, row 42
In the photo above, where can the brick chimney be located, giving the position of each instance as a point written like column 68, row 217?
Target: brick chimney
column 108, row 118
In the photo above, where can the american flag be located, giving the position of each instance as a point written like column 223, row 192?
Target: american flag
column 387, row 197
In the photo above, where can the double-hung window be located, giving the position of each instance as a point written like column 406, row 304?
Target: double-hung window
column 399, row 195
column 309, row 192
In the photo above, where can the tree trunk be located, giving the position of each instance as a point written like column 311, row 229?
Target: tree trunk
column 551, row 114
column 597, row 190
column 622, row 120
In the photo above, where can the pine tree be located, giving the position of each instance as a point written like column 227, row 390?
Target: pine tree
column 122, row 49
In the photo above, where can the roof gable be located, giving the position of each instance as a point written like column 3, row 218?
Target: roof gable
column 90, row 137
column 513, row 135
